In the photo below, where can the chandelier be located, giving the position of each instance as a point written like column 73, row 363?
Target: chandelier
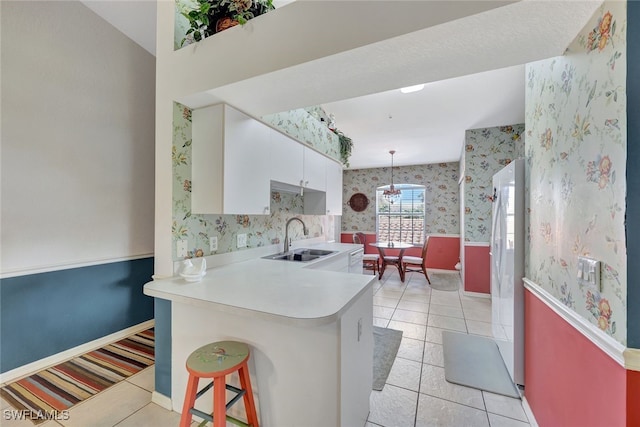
column 392, row 194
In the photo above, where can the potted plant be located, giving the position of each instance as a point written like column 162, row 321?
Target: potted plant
column 208, row 17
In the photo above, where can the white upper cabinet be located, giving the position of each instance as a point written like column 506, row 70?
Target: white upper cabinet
column 315, row 173
column 236, row 158
column 334, row 188
column 286, row 159
column 328, row 202
column 230, row 162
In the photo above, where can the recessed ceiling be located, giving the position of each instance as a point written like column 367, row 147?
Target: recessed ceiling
column 473, row 68
column 428, row 126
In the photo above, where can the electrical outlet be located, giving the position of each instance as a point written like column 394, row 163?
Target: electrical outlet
column 213, row 243
column 242, row 240
column 181, row 248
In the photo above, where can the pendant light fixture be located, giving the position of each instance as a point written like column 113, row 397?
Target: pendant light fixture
column 392, row 194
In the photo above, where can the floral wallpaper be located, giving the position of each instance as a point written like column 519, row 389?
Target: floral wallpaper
column 487, row 151
column 303, row 126
column 576, row 160
column 261, row 230
column 441, row 195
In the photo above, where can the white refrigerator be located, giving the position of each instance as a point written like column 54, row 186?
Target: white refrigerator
column 507, row 267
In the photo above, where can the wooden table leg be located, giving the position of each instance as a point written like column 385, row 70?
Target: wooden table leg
column 383, row 264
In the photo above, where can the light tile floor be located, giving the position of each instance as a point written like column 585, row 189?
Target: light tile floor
column 415, row 395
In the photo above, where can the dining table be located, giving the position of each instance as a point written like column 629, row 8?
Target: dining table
column 392, row 260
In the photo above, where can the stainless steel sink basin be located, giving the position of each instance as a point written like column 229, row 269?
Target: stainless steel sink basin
column 313, row 252
column 302, row 255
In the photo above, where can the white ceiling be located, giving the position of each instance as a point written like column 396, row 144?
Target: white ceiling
column 472, row 67
column 429, row 126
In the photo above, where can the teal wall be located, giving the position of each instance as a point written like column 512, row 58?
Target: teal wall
column 47, row 313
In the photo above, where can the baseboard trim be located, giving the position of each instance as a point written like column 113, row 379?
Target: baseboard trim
column 162, row 400
column 631, row 359
column 476, row 294
column 604, row 342
column 480, row 244
column 47, row 362
column 528, row 412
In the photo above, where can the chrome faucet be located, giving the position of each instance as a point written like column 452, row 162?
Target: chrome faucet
column 305, row 230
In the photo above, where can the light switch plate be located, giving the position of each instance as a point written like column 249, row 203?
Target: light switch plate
column 588, row 272
column 181, row 248
column 242, row 241
column 213, row 243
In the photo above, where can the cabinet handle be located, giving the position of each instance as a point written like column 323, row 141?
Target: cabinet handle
column 306, row 183
column 266, row 209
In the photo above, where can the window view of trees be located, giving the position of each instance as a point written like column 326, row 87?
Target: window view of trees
column 403, row 219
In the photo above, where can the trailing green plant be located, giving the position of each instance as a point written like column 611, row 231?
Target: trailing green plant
column 212, row 16
column 346, row 145
column 198, row 20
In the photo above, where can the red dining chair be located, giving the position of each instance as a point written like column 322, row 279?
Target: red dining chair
column 418, row 264
column 369, row 261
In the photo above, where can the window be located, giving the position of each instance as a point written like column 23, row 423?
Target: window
column 403, row 220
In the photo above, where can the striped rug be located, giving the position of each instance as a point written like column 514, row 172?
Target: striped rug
column 56, row 389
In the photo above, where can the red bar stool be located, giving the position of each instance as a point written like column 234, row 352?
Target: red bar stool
column 216, row 361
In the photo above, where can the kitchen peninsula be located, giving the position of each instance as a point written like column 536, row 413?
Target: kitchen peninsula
column 309, row 329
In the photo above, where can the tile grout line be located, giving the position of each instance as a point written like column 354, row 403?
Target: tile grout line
column 424, row 349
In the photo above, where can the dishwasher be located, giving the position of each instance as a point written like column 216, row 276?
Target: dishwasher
column 355, row 261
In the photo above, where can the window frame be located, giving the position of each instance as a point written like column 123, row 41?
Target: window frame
column 403, row 187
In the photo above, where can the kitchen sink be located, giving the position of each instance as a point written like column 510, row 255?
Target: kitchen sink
column 301, row 254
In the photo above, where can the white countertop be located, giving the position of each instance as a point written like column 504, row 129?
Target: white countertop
column 284, row 291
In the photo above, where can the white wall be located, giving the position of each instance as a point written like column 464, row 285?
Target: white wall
column 78, row 102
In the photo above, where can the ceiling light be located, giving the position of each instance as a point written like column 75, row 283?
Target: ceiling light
column 410, row 89
column 392, row 194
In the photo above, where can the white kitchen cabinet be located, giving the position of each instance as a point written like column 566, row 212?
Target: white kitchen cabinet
column 328, row 202
column 230, row 162
column 347, row 262
column 314, row 170
column 237, row 160
column 356, row 346
column 286, row 158
column 334, row 188
column 296, row 165
column 339, row 262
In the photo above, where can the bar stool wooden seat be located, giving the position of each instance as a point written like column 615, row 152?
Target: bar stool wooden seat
column 216, row 361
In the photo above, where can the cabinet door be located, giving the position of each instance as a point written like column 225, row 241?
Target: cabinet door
column 207, row 142
column 286, row 159
column 315, row 174
column 356, row 363
column 338, row 262
column 334, row 188
column 246, row 165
